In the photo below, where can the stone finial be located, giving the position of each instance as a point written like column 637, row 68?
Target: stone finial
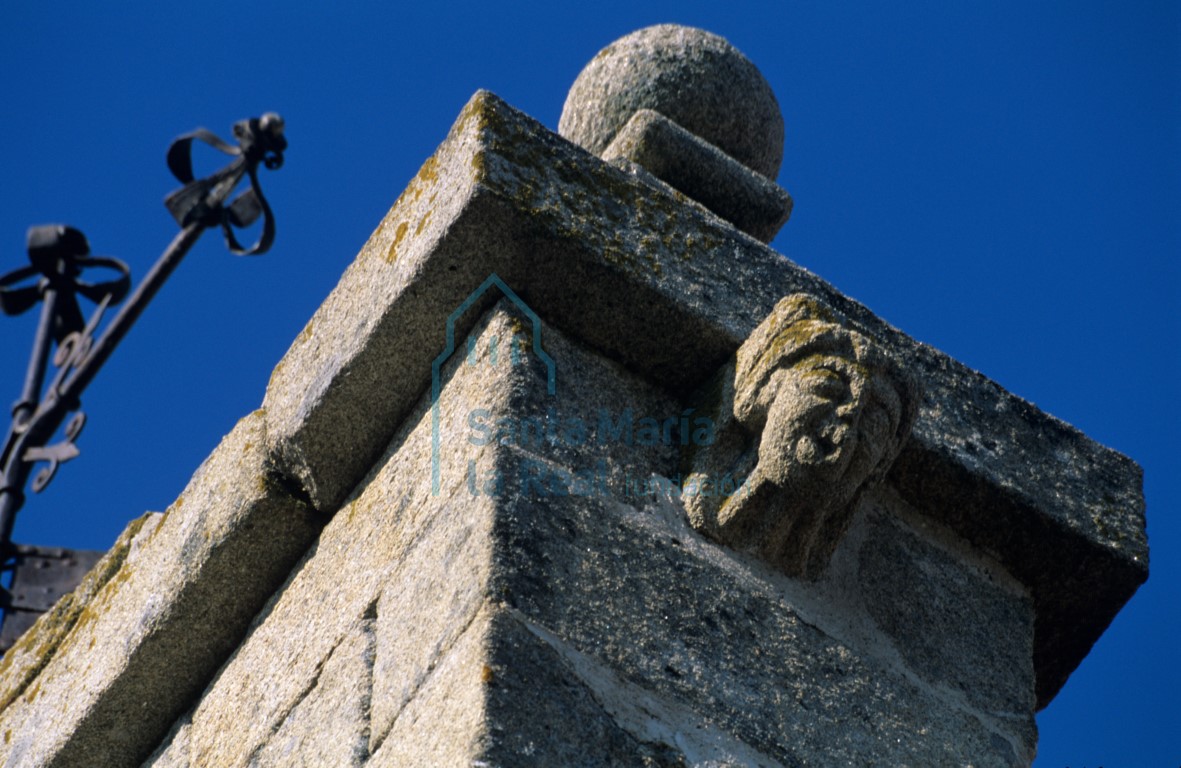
column 689, row 109
column 690, row 76
column 811, row 414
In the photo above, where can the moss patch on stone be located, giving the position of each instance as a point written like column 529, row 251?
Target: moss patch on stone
column 36, row 648
column 581, row 200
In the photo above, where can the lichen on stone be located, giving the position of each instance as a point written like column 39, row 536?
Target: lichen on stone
column 36, row 648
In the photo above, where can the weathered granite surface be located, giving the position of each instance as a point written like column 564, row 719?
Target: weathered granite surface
column 670, row 292
column 951, row 616
column 25, row 660
column 693, row 77
column 693, row 166
column 522, row 618
column 561, row 576
column 157, row 618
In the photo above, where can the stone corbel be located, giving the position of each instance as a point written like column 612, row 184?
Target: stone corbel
column 809, row 414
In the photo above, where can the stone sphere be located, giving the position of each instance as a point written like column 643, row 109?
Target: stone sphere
column 690, row 76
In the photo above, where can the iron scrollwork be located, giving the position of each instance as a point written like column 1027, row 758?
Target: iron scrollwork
column 61, row 271
column 59, row 256
column 260, row 140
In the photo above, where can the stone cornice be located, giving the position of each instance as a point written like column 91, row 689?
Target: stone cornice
column 658, row 283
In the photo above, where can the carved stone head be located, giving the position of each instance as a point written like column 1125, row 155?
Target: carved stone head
column 812, row 413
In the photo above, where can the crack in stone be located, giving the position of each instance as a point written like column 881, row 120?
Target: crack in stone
column 432, row 666
column 645, row 716
column 277, row 724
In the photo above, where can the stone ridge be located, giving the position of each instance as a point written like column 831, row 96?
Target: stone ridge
column 37, row 646
column 497, row 623
column 157, row 617
column 690, row 164
column 505, row 195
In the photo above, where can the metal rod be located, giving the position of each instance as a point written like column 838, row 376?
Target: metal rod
column 16, row 470
column 35, row 377
column 132, row 309
column 201, row 204
column 49, row 415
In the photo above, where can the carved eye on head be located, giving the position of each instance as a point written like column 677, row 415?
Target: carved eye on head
column 827, row 377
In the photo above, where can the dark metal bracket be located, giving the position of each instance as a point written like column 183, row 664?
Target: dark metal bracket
column 46, row 573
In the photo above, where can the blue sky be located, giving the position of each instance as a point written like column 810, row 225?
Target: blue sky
column 1000, row 180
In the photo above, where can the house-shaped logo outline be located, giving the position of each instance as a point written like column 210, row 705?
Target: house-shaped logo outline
column 436, row 366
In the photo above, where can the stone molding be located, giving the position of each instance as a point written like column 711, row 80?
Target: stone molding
column 671, row 291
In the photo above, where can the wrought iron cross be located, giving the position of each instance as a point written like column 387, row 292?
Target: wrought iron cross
column 59, row 272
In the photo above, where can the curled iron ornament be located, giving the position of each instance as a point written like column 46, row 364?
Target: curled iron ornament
column 260, row 140
column 58, row 256
column 62, row 273
column 59, row 260
column 56, row 454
